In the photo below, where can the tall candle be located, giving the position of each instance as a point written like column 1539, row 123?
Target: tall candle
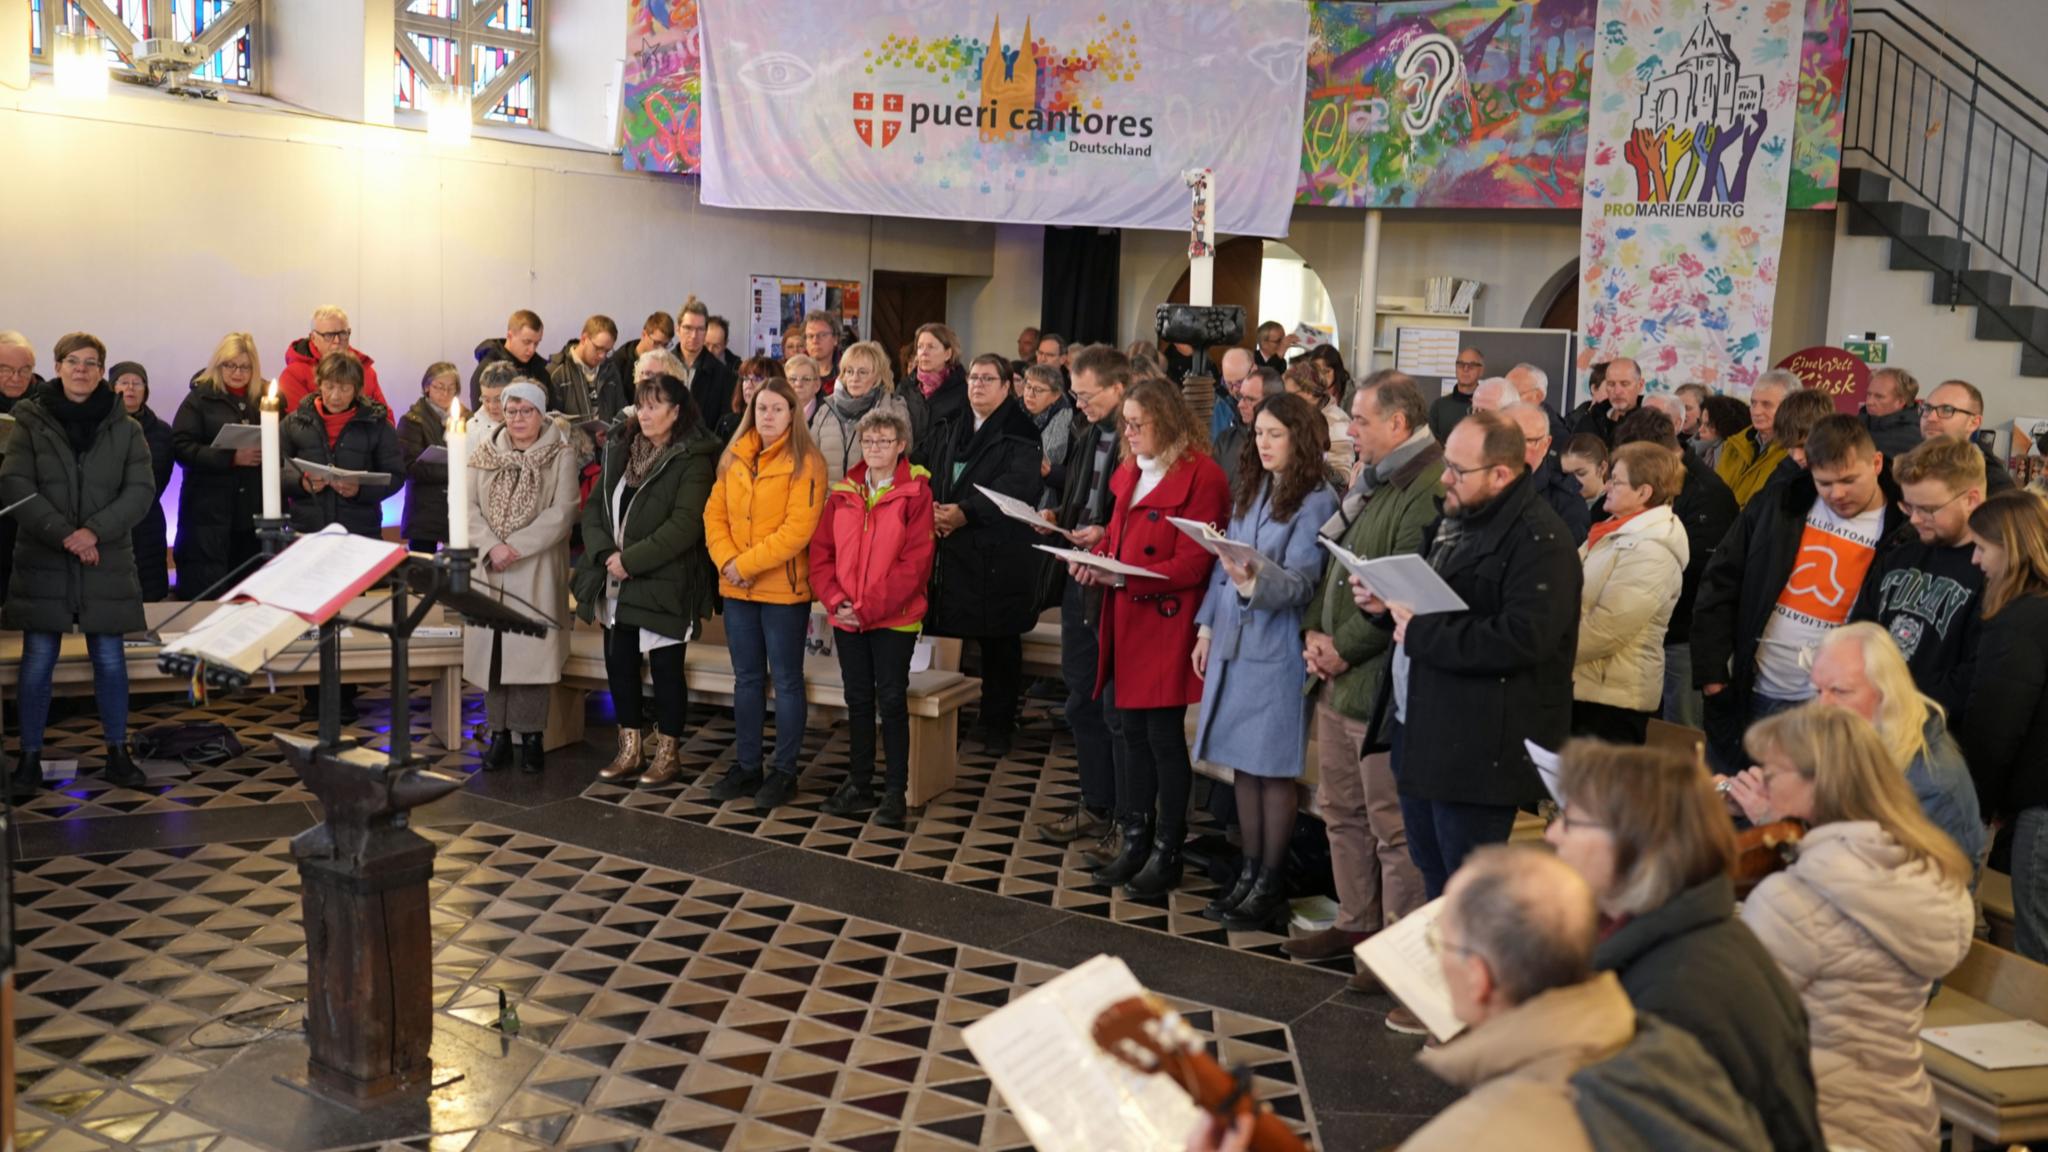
column 458, row 477
column 1202, row 238
column 269, row 409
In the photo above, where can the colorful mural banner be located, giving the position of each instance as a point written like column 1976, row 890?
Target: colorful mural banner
column 1081, row 112
column 1823, row 101
column 1688, row 161
column 659, row 129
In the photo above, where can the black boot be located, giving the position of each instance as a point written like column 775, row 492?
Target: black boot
column 1266, row 903
column 121, row 771
column 498, row 753
column 532, row 758
column 27, row 779
column 1161, row 873
column 1231, row 897
column 1137, row 847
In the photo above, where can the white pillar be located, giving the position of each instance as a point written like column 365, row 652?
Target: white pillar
column 1361, row 358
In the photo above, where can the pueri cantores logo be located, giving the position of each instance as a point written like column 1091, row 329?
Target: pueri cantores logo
column 1031, row 94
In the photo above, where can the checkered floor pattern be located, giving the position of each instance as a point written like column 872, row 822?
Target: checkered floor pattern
column 674, row 1012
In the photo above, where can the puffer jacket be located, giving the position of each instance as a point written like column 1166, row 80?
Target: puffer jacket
column 368, row 443
column 762, row 513
column 219, row 502
column 874, row 550
column 1746, row 465
column 108, row 488
column 1633, row 577
column 659, row 535
column 1862, row 937
column 296, row 382
column 426, row 482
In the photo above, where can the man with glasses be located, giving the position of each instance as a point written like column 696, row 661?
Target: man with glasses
column 1456, row 404
column 330, row 333
column 1558, row 490
column 1923, row 589
column 617, row 380
column 1236, row 369
column 710, row 382
column 574, row 371
column 821, row 343
column 1272, row 347
column 1532, row 384
column 1957, row 409
column 1469, row 687
column 17, row 378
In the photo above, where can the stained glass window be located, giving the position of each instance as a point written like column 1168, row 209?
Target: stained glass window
column 233, row 63
column 473, row 45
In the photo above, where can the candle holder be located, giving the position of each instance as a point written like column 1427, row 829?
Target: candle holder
column 456, row 565
column 274, row 535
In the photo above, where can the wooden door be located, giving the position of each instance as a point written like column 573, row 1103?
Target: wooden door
column 903, row 302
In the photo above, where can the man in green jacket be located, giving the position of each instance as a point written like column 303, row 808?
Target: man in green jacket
column 1392, row 501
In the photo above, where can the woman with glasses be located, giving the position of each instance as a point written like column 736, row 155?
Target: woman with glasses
column 807, row 382
column 753, row 374
column 223, row 489
column 864, row 379
column 645, row 574
column 522, row 502
column 152, row 549
column 80, row 469
column 1634, row 570
column 871, row 562
column 1248, row 649
column 1043, row 390
column 1646, row 830
column 1874, row 910
column 425, row 523
column 1146, row 663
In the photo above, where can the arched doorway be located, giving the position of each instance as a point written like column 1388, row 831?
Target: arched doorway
column 1270, row 281
column 1556, row 304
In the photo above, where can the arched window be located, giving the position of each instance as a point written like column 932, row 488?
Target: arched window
column 490, row 49
column 225, row 32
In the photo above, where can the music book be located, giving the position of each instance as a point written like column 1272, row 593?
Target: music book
column 434, row 454
column 1016, row 509
column 331, row 474
column 1069, row 1095
column 244, row 636
column 1101, row 563
column 1405, row 579
column 319, row 573
column 235, row 437
column 1219, row 545
column 1401, row 957
column 2006, row 1044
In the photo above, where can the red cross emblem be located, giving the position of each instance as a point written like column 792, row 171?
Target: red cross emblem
column 864, row 117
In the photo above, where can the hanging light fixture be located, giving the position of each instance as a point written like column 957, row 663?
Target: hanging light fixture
column 78, row 62
column 448, row 116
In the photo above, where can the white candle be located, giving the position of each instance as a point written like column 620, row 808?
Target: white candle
column 269, row 409
column 1202, row 239
column 457, row 436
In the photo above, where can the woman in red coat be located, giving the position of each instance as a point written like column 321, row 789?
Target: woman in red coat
column 1145, row 668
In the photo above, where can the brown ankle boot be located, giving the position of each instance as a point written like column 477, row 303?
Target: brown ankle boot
column 667, row 761
column 626, row 764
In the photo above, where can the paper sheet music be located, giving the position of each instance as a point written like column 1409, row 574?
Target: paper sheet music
column 1103, row 563
column 243, row 636
column 331, row 474
column 1549, row 768
column 432, row 454
column 1017, row 509
column 235, row 437
column 1068, row 1094
column 2006, row 1044
column 1401, row 957
column 318, row 573
column 1219, row 545
column 1405, row 579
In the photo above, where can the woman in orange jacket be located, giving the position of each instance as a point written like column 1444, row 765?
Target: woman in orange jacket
column 764, row 507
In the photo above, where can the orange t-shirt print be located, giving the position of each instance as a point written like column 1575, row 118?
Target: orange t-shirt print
column 1826, row 576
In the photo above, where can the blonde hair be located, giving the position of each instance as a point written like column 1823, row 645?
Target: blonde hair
column 329, row 312
column 791, row 364
column 1956, row 462
column 1854, row 778
column 232, row 345
column 809, row 461
column 878, row 362
column 1669, row 827
column 13, row 339
column 1902, row 708
column 664, row 362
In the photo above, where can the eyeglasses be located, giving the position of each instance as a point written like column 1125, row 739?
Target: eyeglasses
column 877, row 442
column 1950, row 411
column 1041, row 390
column 699, row 329
column 519, row 409
column 1461, row 473
column 855, row 373
column 1471, row 363
column 8, row 373
column 1569, row 822
column 237, row 369
column 1438, row 945
column 1138, row 425
column 1927, row 511
column 983, row 378
column 75, row 362
column 343, row 334
column 756, row 380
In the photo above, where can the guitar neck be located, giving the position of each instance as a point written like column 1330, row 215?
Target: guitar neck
column 1213, row 1085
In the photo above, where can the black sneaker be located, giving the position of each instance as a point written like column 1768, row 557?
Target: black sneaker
column 736, row 782
column 892, row 812
column 775, row 791
column 851, row 800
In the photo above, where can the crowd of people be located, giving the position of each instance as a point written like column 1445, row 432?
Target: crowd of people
column 1853, row 608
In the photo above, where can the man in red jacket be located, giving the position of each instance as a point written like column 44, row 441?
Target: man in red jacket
column 330, row 333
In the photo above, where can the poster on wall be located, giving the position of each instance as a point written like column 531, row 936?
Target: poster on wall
column 1080, row 112
column 659, row 125
column 1688, row 160
column 778, row 304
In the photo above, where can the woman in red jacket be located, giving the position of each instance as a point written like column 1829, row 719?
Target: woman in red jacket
column 871, row 561
column 1145, row 667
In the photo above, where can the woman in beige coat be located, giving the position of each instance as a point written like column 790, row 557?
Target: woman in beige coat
column 1873, row 912
column 522, row 502
column 1635, row 563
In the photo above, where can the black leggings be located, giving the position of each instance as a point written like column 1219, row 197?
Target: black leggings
column 1002, row 681
column 1155, row 772
column 622, row 666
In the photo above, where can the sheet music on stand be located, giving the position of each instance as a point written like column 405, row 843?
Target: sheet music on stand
column 269, row 610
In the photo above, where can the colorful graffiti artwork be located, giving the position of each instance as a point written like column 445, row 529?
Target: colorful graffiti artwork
column 1447, row 104
column 661, row 130
column 1823, row 100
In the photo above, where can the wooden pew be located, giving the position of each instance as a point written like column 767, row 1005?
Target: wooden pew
column 1994, row 1108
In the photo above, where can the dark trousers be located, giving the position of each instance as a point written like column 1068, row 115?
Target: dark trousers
column 1002, row 681
column 1156, row 772
column 875, row 669
column 1609, row 723
column 623, row 664
column 200, row 575
column 764, row 638
column 1442, row 833
column 1098, row 735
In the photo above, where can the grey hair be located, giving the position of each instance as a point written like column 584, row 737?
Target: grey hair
column 1779, row 378
column 663, row 362
column 1542, row 378
column 804, row 360
column 888, row 412
column 1047, row 374
column 1529, row 915
column 13, row 339
column 329, row 312
column 1498, row 389
column 496, row 374
column 1668, row 404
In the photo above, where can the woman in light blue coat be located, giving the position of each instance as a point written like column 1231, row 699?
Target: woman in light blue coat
column 1254, row 717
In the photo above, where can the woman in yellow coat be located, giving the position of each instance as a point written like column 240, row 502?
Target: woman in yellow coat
column 769, row 495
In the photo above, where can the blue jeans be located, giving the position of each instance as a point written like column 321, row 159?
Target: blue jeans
column 764, row 637
column 1441, row 833
column 1097, row 726
column 109, row 684
column 2030, row 884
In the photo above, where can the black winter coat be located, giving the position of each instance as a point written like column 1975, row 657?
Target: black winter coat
column 151, row 537
column 1706, row 507
column 985, row 575
column 1896, row 434
column 711, row 386
column 426, row 482
column 1073, row 479
column 219, row 503
column 368, row 443
column 7, row 525
column 1740, row 586
column 1484, row 680
column 1694, row 964
column 493, row 350
column 108, row 489
column 943, row 408
column 2008, row 725
column 1561, row 492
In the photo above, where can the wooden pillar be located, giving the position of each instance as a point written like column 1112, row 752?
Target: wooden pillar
column 369, row 968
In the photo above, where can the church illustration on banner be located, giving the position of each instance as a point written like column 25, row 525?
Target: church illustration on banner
column 1706, row 87
column 1009, row 79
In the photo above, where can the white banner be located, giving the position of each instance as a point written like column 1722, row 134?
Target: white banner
column 1059, row 112
column 1688, row 155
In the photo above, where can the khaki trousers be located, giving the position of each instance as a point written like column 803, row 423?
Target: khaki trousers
column 1377, row 882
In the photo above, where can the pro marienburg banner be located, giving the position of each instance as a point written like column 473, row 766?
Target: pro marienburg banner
column 1054, row 112
column 1687, row 158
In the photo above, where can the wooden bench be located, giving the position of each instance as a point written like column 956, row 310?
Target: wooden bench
column 1042, row 647
column 1998, row 1108
column 936, row 697
column 1994, row 893
column 365, row 659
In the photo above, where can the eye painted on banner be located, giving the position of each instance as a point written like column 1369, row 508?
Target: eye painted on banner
column 1279, row 59
column 1431, row 70
column 777, row 72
